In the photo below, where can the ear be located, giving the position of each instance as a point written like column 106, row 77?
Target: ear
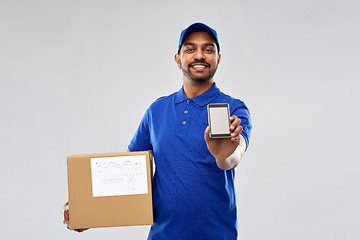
column 219, row 58
column 177, row 60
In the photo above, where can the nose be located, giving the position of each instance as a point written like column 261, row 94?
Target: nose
column 199, row 55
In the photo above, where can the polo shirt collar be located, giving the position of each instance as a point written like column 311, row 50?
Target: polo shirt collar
column 201, row 100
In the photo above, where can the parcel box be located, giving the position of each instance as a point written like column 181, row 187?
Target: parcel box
column 111, row 189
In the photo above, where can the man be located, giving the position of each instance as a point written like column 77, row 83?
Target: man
column 194, row 195
column 193, row 186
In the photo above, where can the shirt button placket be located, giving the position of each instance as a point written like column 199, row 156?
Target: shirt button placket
column 186, row 111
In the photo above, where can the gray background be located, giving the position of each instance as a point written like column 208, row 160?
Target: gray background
column 77, row 76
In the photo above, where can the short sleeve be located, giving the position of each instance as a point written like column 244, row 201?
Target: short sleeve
column 241, row 111
column 141, row 139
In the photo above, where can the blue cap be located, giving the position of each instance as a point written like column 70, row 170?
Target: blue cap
column 197, row 27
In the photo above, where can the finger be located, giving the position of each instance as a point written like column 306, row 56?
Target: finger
column 237, row 131
column 66, row 219
column 81, row 230
column 235, row 121
column 66, row 213
column 235, row 140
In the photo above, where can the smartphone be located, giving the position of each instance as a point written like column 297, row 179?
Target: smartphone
column 219, row 120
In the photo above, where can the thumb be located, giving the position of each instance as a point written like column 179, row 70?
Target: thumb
column 207, row 134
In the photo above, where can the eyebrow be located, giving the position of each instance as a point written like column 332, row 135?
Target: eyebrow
column 210, row 44
column 189, row 43
column 192, row 44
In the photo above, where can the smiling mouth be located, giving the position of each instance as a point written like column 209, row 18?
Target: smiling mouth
column 199, row 67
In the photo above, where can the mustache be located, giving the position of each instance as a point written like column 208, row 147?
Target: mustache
column 199, row 62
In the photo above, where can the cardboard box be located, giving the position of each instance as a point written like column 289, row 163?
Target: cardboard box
column 111, row 189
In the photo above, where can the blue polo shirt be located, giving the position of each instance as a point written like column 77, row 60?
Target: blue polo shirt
column 193, row 197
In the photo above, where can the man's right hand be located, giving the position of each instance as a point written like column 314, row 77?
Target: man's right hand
column 66, row 218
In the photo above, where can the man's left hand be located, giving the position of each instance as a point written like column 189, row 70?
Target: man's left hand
column 222, row 148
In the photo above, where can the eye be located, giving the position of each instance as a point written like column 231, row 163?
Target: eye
column 189, row 50
column 209, row 50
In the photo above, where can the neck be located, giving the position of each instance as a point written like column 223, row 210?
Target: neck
column 193, row 89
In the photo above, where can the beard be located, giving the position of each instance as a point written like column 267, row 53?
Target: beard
column 187, row 73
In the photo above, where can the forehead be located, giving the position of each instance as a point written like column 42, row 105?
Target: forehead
column 199, row 37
